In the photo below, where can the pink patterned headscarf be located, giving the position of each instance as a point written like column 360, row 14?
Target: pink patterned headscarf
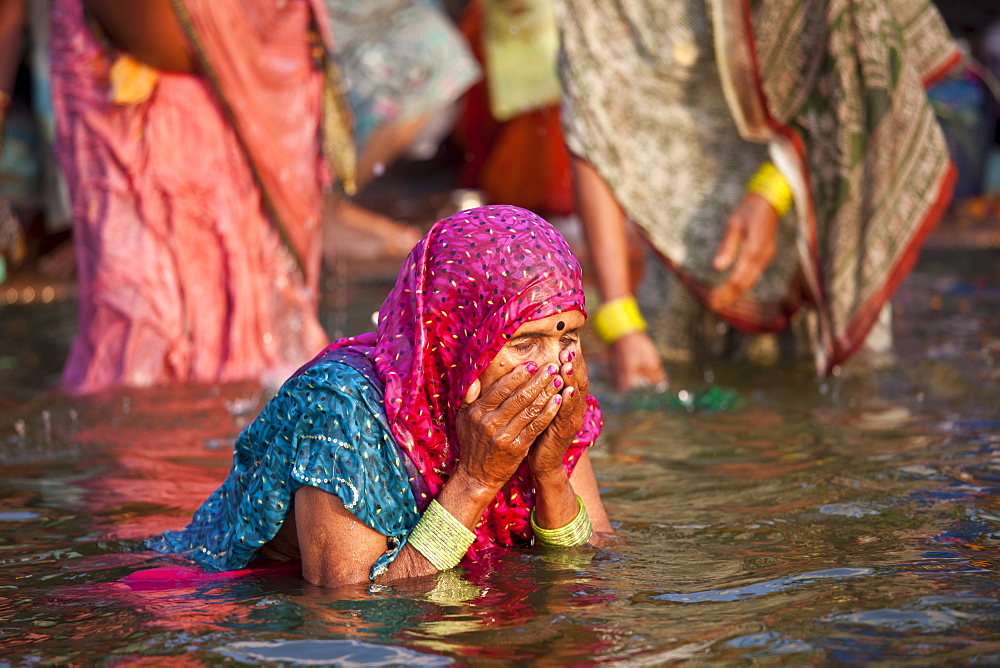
column 465, row 288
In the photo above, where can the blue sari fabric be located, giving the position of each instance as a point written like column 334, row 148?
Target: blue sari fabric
column 326, row 428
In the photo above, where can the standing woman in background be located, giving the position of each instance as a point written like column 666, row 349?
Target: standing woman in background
column 189, row 132
column 675, row 111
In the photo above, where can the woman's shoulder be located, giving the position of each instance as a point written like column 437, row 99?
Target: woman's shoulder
column 330, row 416
column 330, row 390
column 342, row 373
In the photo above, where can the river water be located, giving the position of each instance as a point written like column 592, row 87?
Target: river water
column 851, row 520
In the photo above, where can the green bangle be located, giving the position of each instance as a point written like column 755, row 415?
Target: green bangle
column 575, row 533
column 441, row 538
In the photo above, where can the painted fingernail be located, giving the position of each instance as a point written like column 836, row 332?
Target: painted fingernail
column 557, row 399
column 557, row 383
column 552, row 369
column 531, row 367
column 572, row 355
column 571, row 392
column 569, row 371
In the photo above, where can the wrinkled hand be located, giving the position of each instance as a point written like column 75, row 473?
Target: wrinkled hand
column 546, row 455
column 635, row 363
column 748, row 247
column 497, row 429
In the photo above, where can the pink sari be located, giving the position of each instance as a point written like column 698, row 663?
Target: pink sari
column 196, row 212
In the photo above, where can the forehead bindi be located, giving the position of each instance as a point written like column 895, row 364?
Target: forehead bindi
column 552, row 325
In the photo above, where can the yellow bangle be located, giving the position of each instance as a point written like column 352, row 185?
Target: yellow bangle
column 617, row 318
column 772, row 186
column 441, row 538
column 575, row 533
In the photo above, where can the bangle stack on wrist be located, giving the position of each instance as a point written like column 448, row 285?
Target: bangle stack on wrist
column 618, row 317
column 772, row 186
column 441, row 538
column 575, row 533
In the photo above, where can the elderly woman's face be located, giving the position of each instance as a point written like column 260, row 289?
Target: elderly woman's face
column 538, row 341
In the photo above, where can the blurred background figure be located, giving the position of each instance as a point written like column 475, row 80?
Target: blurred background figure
column 772, row 161
column 509, row 129
column 29, row 178
column 967, row 105
column 12, row 15
column 403, row 64
column 189, row 134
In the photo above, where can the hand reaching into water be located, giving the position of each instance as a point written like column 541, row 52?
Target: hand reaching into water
column 748, row 247
column 636, row 364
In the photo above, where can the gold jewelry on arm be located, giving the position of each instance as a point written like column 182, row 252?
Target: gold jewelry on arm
column 618, row 317
column 440, row 538
column 4, row 99
column 769, row 183
column 577, row 532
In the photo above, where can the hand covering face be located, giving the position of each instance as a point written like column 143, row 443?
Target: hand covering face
column 465, row 288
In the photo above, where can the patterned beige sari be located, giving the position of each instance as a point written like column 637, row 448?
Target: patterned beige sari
column 676, row 104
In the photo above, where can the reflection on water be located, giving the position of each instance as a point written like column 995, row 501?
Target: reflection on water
column 325, row 652
column 853, row 520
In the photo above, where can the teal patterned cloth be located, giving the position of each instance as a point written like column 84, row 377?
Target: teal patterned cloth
column 326, row 428
column 399, row 58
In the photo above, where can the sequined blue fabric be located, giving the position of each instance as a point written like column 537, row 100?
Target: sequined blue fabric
column 327, row 428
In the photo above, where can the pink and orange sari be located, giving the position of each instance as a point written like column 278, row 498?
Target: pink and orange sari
column 196, row 207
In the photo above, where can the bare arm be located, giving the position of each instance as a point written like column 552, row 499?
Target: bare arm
column 747, row 248
column 337, row 548
column 634, row 358
column 148, row 30
column 585, row 486
column 604, row 226
column 495, row 431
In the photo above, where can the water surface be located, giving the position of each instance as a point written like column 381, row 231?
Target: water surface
column 846, row 521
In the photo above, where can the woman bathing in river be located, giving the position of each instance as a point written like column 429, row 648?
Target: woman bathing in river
column 460, row 424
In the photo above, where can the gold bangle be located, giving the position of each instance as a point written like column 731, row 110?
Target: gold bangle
column 441, row 538
column 575, row 533
column 618, row 317
column 769, row 183
column 4, row 99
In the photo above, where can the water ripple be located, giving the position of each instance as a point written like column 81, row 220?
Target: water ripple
column 929, row 614
column 770, row 644
column 762, row 588
column 849, row 509
column 344, row 653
